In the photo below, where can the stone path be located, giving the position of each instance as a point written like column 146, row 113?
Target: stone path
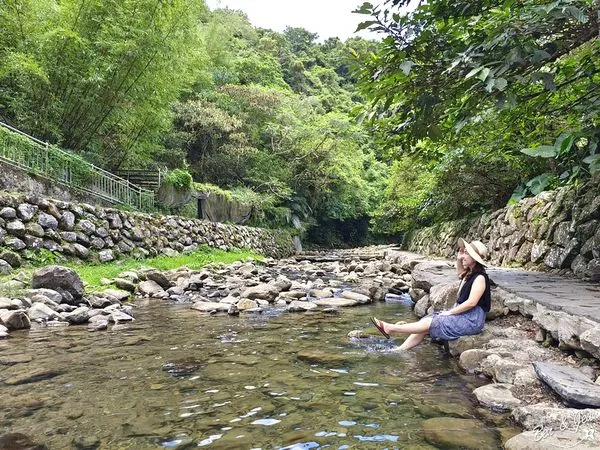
column 555, row 292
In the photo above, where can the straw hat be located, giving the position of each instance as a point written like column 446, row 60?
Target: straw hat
column 476, row 249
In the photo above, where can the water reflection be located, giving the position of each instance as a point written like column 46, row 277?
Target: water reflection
column 177, row 379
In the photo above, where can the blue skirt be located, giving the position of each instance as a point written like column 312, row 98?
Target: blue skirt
column 449, row 328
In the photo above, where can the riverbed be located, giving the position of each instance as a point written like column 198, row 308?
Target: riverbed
column 177, row 378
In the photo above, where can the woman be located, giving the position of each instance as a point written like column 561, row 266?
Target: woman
column 466, row 317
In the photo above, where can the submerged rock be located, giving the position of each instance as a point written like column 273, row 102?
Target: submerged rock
column 453, row 433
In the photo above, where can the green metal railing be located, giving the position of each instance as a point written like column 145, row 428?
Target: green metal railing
column 20, row 150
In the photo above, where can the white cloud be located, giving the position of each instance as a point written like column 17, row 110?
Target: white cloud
column 327, row 18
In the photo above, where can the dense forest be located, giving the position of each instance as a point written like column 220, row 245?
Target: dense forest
column 460, row 108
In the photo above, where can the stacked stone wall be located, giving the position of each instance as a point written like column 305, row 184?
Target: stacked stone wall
column 30, row 225
column 557, row 231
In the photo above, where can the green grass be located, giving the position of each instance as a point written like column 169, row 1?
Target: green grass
column 93, row 273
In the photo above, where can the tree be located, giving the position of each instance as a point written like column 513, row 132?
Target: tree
column 113, row 68
column 444, row 64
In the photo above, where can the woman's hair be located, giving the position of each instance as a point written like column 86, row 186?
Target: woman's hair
column 476, row 270
column 464, row 272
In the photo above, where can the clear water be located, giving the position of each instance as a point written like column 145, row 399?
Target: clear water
column 178, row 379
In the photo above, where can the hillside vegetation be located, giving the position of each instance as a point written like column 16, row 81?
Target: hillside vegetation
column 460, row 107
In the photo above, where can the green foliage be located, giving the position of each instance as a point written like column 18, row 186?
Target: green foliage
column 97, row 77
column 572, row 157
column 43, row 257
column 180, row 179
column 265, row 209
column 460, row 88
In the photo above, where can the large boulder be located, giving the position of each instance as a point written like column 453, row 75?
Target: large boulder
column 60, row 279
column 443, row 296
column 430, row 273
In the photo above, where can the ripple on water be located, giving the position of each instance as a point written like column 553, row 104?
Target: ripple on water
column 223, row 382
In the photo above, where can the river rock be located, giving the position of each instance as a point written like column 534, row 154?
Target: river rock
column 120, row 316
column 60, row 279
column 497, row 396
column 11, row 360
column 5, row 268
column 569, row 383
column 443, row 296
column 18, row 441
column 151, row 289
column 98, row 323
column 3, row 332
column 245, row 304
column 454, row 433
column 533, row 417
column 544, row 439
column 320, row 357
column 210, row 306
column 96, row 301
column 590, row 341
column 41, row 311
column 282, row 283
column 265, row 291
column 457, row 346
column 51, row 294
column 31, row 376
column 6, row 303
column 15, row 320
column 360, row 299
column 159, row 278
column 78, row 316
column 471, row 359
column 298, row 306
column 320, row 293
column 335, row 302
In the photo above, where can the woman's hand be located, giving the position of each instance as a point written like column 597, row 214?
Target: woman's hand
column 445, row 313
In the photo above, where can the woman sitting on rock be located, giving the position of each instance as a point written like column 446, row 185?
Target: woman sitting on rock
column 466, row 317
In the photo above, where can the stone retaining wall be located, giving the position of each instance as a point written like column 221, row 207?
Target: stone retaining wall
column 557, row 231
column 30, row 224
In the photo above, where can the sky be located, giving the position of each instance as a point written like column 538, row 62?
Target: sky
column 327, row 18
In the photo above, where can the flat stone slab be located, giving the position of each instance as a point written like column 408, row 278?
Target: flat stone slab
column 559, row 293
column 570, row 383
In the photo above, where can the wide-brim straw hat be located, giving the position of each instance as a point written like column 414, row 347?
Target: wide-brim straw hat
column 476, row 249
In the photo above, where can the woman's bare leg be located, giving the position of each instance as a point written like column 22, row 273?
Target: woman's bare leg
column 411, row 341
column 422, row 326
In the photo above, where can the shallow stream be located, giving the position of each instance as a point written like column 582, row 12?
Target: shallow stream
column 175, row 378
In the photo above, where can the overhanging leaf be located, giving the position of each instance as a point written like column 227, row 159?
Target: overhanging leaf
column 365, row 8
column 539, row 183
column 473, row 72
column 543, row 151
column 483, row 74
column 364, row 25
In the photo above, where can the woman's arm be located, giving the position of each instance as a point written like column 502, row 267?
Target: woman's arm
column 477, row 290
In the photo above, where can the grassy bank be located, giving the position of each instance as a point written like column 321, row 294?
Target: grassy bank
column 92, row 273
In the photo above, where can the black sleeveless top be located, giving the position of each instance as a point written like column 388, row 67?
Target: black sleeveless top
column 485, row 302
